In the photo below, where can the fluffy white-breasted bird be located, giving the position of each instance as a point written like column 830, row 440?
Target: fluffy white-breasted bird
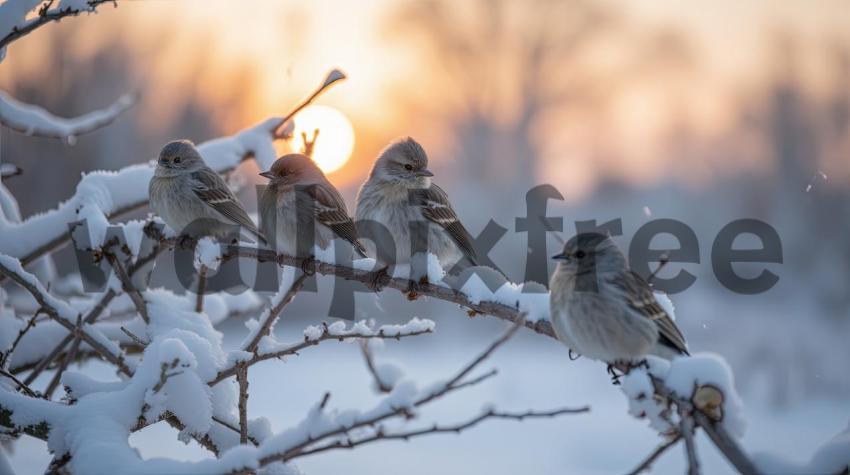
column 400, row 191
column 192, row 198
column 604, row 311
column 300, row 196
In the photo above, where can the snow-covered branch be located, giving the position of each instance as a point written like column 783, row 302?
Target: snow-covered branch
column 63, row 314
column 14, row 23
column 509, row 302
column 522, row 304
column 34, row 120
column 8, row 170
column 102, row 195
column 324, row 430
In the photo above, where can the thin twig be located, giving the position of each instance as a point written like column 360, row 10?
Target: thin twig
column 69, row 357
column 647, row 463
column 306, row 343
column 331, row 78
column 454, row 384
column 267, row 324
column 21, row 385
column 233, row 428
column 686, row 429
column 117, row 360
column 308, row 143
column 370, row 365
column 242, row 379
column 23, row 331
column 202, row 284
column 92, row 316
column 134, row 337
column 128, row 287
column 381, row 435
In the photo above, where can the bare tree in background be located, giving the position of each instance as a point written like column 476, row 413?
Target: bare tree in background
column 501, row 67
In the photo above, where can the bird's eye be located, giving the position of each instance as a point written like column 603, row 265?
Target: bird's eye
column 408, row 167
column 579, row 254
column 177, row 159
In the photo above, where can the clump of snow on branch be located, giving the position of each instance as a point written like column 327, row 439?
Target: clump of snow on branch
column 705, row 379
column 207, row 254
column 34, row 120
column 105, row 193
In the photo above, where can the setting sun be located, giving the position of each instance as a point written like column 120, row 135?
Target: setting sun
column 336, row 136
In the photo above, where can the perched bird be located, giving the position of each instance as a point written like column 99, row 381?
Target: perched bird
column 399, row 193
column 192, row 198
column 296, row 181
column 603, row 310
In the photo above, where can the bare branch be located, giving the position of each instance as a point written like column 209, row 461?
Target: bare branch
column 721, row 438
column 271, row 315
column 69, row 357
column 134, row 337
column 202, row 287
column 46, row 302
column 296, row 448
column 647, row 463
column 23, row 331
column 33, row 120
column 382, row 386
column 309, row 144
column 332, row 77
column 380, row 434
column 242, row 379
column 21, row 385
column 726, row 444
column 294, row 348
column 128, row 287
column 686, row 429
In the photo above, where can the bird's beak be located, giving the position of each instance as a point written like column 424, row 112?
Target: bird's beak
column 424, row 172
column 560, row 257
column 163, row 162
column 268, row 175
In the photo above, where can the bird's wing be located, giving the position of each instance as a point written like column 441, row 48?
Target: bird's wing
column 331, row 211
column 437, row 208
column 640, row 298
column 213, row 191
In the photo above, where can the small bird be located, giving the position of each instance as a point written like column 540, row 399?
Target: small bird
column 192, row 198
column 399, row 193
column 604, row 311
column 295, row 180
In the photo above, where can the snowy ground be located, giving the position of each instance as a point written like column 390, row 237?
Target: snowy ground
column 534, row 373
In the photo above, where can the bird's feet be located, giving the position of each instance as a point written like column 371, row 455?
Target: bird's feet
column 308, row 265
column 185, row 241
column 375, row 279
column 615, row 377
column 413, row 287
